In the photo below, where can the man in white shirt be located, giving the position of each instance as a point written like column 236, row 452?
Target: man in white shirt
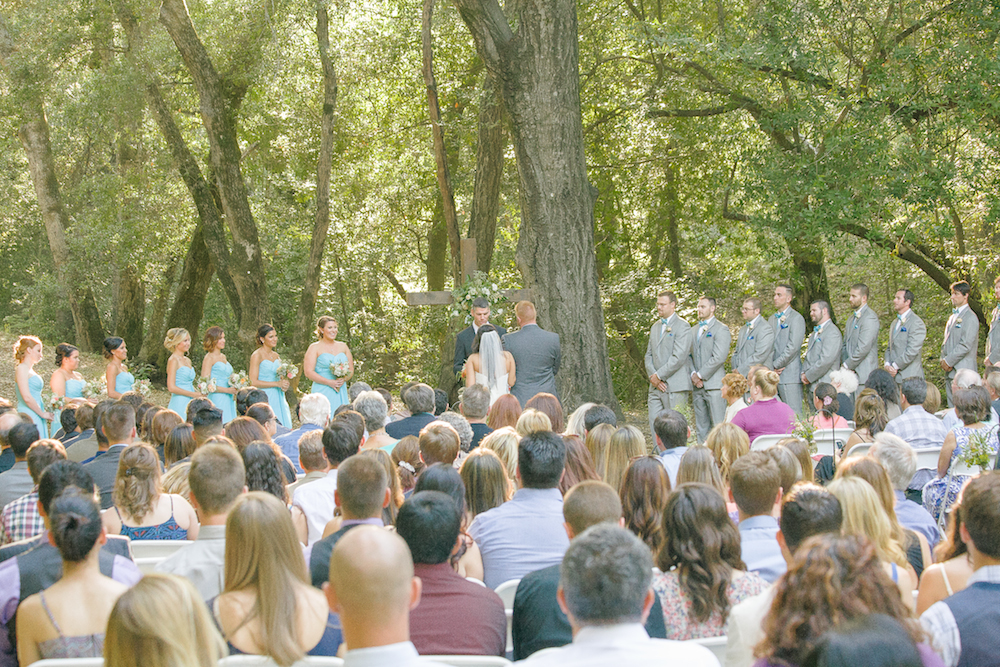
column 604, row 589
column 313, row 504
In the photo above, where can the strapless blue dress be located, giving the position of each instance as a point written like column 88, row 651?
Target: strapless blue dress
column 221, row 370
column 74, row 389
column 268, row 372
column 35, row 384
column 337, row 397
column 184, row 379
column 124, row 382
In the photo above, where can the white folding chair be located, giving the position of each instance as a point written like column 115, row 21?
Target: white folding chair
column 928, row 458
column 468, row 660
column 70, row 662
column 762, row 442
column 267, row 661
column 506, row 591
column 476, row 581
column 156, row 548
column 860, row 449
column 960, row 468
column 148, row 565
column 827, row 440
column 717, row 645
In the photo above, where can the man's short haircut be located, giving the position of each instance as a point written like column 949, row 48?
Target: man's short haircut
column 353, row 419
column 314, row 409
column 85, row 416
column 461, row 426
column 440, row 401
column 753, row 301
column 961, row 287
column 118, row 422
column 311, row 454
column 480, row 302
column 207, row 419
column 476, row 401
column 788, row 288
column 419, row 398
column 7, row 421
column 217, row 476
column 671, row 428
column 822, row 305
column 430, row 523
column 356, row 389
column 340, row 441
column 710, row 299
column 589, row 503
column 21, row 436
column 67, row 419
column 896, row 456
column 915, row 390
column 99, row 411
column 60, row 475
column 439, row 443
column 907, row 295
column 194, row 405
column 361, row 485
column 861, row 288
column 602, row 414
column 605, row 576
column 525, row 311
column 670, row 295
column 372, row 408
column 541, row 457
column 979, row 511
column 754, row 479
column 41, row 455
column 809, row 510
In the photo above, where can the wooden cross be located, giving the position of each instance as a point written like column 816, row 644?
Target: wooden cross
column 469, row 266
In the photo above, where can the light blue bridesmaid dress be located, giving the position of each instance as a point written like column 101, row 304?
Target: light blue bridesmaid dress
column 35, row 384
column 268, row 372
column 184, row 379
column 221, row 370
column 74, row 389
column 124, row 382
column 337, row 397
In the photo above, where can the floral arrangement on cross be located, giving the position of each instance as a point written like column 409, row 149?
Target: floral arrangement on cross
column 475, row 286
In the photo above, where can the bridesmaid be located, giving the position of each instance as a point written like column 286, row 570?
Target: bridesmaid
column 28, row 384
column 180, row 372
column 65, row 380
column 119, row 379
column 263, row 374
column 328, row 350
column 216, row 367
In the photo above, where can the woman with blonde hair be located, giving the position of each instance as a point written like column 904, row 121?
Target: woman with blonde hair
column 162, row 622
column 767, row 414
column 728, row 442
column 406, row 456
column 598, row 440
column 864, row 515
column 28, row 384
column 533, row 421
column 698, row 465
column 323, row 357
column 503, row 442
column 800, row 449
column 734, row 386
column 576, row 424
column 505, row 411
column 626, row 444
column 268, row 606
column 141, row 510
column 486, row 482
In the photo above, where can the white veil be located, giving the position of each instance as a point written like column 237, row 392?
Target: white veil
column 491, row 360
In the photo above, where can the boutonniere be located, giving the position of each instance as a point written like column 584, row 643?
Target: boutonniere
column 669, row 329
column 782, row 324
column 958, row 321
column 751, row 325
column 902, row 329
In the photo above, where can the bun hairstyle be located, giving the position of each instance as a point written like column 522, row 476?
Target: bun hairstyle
column 137, row 484
column 826, row 394
column 173, row 339
column 262, row 331
column 321, row 324
column 112, row 343
column 22, row 345
column 75, row 521
column 64, row 351
column 765, row 380
column 212, row 336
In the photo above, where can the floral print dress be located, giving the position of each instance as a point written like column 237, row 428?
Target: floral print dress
column 677, row 617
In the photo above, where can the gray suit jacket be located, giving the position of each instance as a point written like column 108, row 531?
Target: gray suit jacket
column 905, row 344
column 536, row 361
column 789, row 332
column 754, row 347
column 993, row 340
column 708, row 353
column 667, row 354
column 822, row 353
column 961, row 341
column 860, row 352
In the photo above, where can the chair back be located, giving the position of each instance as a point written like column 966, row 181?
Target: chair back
column 717, row 645
column 762, row 442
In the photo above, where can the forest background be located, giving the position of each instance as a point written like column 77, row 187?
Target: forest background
column 229, row 162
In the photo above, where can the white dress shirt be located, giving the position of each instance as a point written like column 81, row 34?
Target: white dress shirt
column 402, row 654
column 743, row 627
column 622, row 644
column 315, row 499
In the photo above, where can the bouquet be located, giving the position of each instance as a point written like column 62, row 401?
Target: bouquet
column 287, row 371
column 144, row 387
column 51, row 402
column 976, row 453
column 206, row 386
column 239, row 380
column 100, row 385
column 88, row 390
column 340, row 369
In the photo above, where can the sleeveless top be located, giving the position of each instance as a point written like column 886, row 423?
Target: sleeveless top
column 168, row 530
column 80, row 646
column 124, row 382
column 327, row 646
column 496, row 390
column 184, row 379
column 35, row 384
column 221, row 370
column 268, row 372
column 74, row 389
column 337, row 397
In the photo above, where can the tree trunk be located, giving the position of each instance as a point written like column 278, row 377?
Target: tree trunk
column 436, row 261
column 673, row 206
column 153, row 343
column 808, row 259
column 131, row 309
column 189, row 302
column 489, row 173
column 539, row 73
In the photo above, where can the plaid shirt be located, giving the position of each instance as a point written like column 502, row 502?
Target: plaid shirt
column 20, row 519
column 918, row 427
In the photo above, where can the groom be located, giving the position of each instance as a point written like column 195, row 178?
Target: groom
column 463, row 342
column 536, row 355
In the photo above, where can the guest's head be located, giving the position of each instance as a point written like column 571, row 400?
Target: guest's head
column 133, row 398
column 118, row 423
column 345, row 415
column 505, row 411
column 627, row 442
column 914, row 391
column 727, row 442
column 734, row 386
column 194, row 405
column 475, row 402
column 357, row 389
column 217, row 477
column 486, row 482
column 20, row 438
column 430, row 523
column 362, row 488
column 439, row 443
column 800, row 448
column 599, row 414
column 137, row 485
column 340, row 440
column 789, row 466
column 100, row 410
column 979, row 516
column 897, row 457
column 825, row 399
column 175, row 480
column 58, row 477
column 551, row 407
column 671, row 429
column 164, row 421
column 205, row 423
column 503, row 442
column 755, row 482
column 870, row 414
column 244, row 430
column 864, row 515
column 263, row 470
column 84, row 418
column 807, row 510
column 884, row 385
column 598, row 441
column 461, row 426
column 579, row 465
column 876, row 640
column 396, row 496
column 180, row 444
column 870, row 470
column 541, row 458
column 249, row 396
column 406, row 456
column 41, row 455
column 644, row 493
column 972, row 405
column 763, row 384
column 588, row 504
column 67, row 420
column 419, row 398
column 698, row 465
column 264, row 415
column 75, row 525
column 965, row 378
column 532, row 421
column 311, row 454
column 314, row 409
column 440, row 401
column 372, row 407
column 576, row 424
column 933, row 401
column 444, row 478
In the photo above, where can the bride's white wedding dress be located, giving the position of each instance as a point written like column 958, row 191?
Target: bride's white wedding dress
column 497, row 389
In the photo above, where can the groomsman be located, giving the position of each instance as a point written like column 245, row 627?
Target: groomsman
column 668, row 360
column 993, row 339
column 755, row 341
column 708, row 356
column 961, row 336
column 860, row 351
column 789, row 332
column 903, row 358
column 463, row 341
column 823, row 349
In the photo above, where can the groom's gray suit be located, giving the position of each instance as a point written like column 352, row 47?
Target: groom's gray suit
column 536, row 361
column 667, row 355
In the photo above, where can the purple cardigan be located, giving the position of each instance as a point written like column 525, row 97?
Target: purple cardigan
column 766, row 417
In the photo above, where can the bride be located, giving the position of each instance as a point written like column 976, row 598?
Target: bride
column 490, row 364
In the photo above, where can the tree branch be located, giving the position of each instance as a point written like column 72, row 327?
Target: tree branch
column 489, row 28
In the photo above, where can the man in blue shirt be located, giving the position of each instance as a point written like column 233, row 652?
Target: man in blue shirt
column 755, row 487
column 672, row 431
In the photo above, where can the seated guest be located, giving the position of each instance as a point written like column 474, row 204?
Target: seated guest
column 627, row 442
column 539, row 622
column 604, row 590
column 474, row 406
column 900, row 463
column 827, row 408
column 755, row 487
column 117, row 427
column 549, row 405
column 141, row 511
column 264, row 470
column 965, row 378
column 952, row 569
column 807, row 510
column 440, row 402
column 244, row 430
column 702, row 574
column 312, row 459
column 268, row 607
column 49, row 623
column 524, row 534
column 846, row 383
column 532, row 421
column 362, row 491
column 17, row 481
column 313, row 504
column 599, row 414
column 429, row 522
column 579, row 465
column 697, row 465
column 356, row 389
column 766, row 414
column 576, row 423
column 643, row 496
column 885, row 386
column 915, row 425
column 734, row 386
column 396, row 497
column 467, row 559
column 161, row 621
column 264, row 415
column 206, row 423
column 672, row 431
column 352, row 417
column 314, row 413
column 874, row 641
column 85, row 447
column 373, row 589
column 406, row 456
column 598, row 441
column 247, row 397
column 194, row 405
column 486, row 482
column 20, row 520
column 217, row 478
column 419, row 400
column 179, row 446
column 373, row 408
column 503, row 442
column 505, row 411
column 789, row 466
column 439, row 443
column 84, row 416
column 161, row 426
column 963, row 626
column 462, row 428
column 869, row 420
column 69, row 428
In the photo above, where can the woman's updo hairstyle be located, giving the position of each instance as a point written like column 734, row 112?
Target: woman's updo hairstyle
column 826, row 394
column 137, row 484
column 64, row 351
column 483, row 330
column 212, row 336
column 22, row 345
column 320, row 325
column 173, row 339
column 765, row 380
column 75, row 522
column 112, row 343
column 262, row 331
